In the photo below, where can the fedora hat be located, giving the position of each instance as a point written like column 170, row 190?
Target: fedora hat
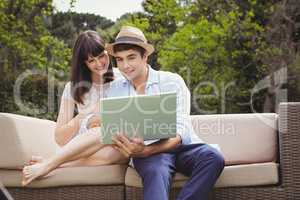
column 130, row 35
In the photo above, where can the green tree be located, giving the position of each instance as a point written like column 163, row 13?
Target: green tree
column 282, row 53
column 26, row 44
column 25, row 41
column 223, row 42
column 198, row 53
column 67, row 25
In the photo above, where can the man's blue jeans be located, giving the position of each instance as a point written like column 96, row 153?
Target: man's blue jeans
column 201, row 162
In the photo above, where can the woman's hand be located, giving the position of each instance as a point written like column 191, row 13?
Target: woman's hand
column 94, row 121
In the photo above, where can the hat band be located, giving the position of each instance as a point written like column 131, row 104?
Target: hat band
column 128, row 39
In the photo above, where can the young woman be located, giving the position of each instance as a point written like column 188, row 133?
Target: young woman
column 81, row 146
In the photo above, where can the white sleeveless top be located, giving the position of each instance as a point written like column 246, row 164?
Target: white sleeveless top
column 91, row 99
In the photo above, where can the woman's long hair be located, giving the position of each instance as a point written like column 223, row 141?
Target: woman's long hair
column 88, row 43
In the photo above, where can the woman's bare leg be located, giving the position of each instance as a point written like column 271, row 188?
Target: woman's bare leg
column 106, row 155
column 83, row 145
column 90, row 157
column 85, row 153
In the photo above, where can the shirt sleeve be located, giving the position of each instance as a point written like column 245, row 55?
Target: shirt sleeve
column 117, row 73
column 183, row 124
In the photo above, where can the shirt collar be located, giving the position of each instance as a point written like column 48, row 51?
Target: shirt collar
column 153, row 77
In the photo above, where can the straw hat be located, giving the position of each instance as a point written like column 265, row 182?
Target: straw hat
column 130, row 35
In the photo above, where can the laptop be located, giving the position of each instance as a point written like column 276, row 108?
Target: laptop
column 147, row 116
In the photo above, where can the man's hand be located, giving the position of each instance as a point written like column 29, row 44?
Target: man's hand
column 130, row 147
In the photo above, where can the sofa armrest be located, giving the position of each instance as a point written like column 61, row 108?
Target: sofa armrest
column 289, row 150
column 22, row 137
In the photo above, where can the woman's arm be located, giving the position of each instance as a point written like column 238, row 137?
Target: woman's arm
column 66, row 125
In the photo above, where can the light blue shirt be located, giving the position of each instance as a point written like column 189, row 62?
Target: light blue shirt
column 161, row 82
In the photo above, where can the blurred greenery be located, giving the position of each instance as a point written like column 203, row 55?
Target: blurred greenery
column 224, row 50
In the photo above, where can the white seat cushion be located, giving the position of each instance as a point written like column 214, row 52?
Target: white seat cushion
column 242, row 138
column 100, row 175
column 232, row 176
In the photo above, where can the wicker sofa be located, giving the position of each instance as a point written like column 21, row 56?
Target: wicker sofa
column 261, row 153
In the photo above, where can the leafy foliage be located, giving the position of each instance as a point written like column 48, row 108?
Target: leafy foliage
column 232, row 54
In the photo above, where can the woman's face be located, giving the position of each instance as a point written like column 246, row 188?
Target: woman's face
column 98, row 65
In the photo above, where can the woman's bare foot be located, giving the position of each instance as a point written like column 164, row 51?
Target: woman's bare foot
column 35, row 159
column 34, row 171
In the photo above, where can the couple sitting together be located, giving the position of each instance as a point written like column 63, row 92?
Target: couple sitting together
column 156, row 161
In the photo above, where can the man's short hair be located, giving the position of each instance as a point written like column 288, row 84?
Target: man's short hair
column 126, row 47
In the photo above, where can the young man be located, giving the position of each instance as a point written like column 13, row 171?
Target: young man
column 156, row 161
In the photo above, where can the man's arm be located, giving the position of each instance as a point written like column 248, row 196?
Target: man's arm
column 183, row 101
column 162, row 146
column 183, row 123
column 139, row 149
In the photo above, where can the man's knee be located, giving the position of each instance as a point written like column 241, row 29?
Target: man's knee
column 219, row 161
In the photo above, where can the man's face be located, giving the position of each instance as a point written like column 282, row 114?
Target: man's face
column 131, row 63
